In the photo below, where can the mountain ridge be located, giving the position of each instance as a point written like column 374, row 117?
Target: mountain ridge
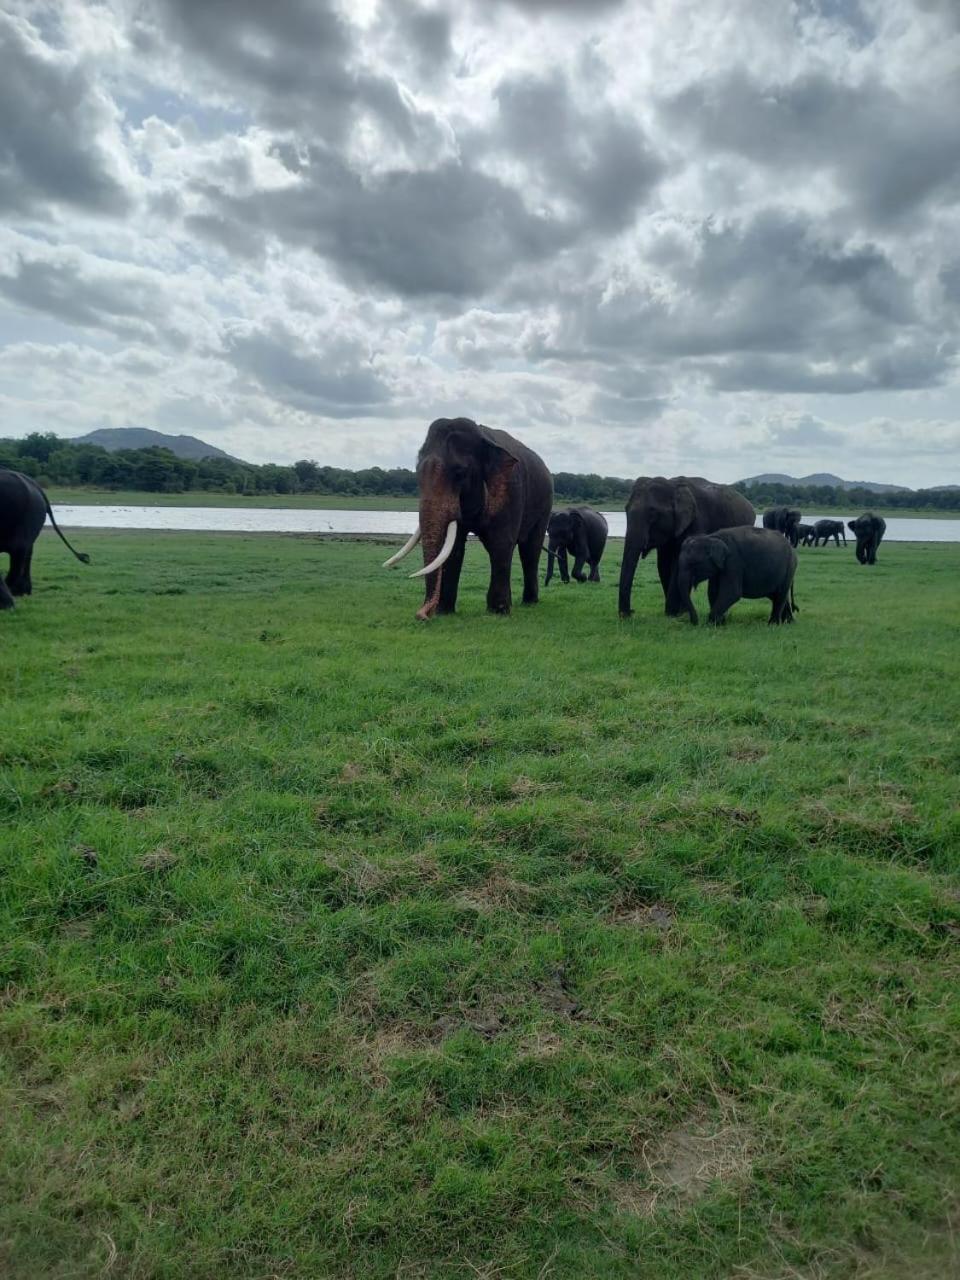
column 183, row 446
column 824, row 479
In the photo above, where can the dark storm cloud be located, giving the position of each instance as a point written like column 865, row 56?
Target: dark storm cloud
column 888, row 154
column 599, row 160
column 335, row 380
column 424, row 33
column 51, row 119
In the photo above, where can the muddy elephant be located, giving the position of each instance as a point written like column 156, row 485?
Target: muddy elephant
column 739, row 563
column 582, row 532
column 824, row 530
column 476, row 479
column 24, row 508
column 869, row 530
column 785, row 520
column 661, row 514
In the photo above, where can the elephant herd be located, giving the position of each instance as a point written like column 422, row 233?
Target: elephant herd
column 474, row 479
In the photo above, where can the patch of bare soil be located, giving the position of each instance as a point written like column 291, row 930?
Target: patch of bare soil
column 648, row 916
column 497, row 893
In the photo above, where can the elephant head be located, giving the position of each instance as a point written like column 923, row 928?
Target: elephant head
column 700, row 558
column 463, row 473
column 659, row 512
column 566, row 532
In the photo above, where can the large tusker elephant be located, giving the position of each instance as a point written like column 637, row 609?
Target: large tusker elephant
column 581, row 531
column 739, row 563
column 476, row 479
column 785, row 520
column 23, row 509
column 869, row 530
column 661, row 513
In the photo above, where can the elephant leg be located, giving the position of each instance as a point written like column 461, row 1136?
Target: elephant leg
column 594, row 572
column 578, row 570
column 726, row 595
column 530, row 562
column 450, row 582
column 667, row 569
column 564, row 564
column 6, row 599
column 499, row 597
column 18, row 579
column 780, row 609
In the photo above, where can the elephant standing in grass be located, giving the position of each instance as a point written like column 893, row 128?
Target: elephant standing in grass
column 805, row 535
column 582, row 532
column 869, row 530
column 824, row 530
column 661, row 514
column 785, row 520
column 739, row 563
column 476, row 479
column 23, row 509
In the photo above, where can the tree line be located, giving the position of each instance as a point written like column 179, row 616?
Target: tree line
column 54, row 461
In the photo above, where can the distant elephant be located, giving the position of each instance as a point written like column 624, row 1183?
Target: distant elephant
column 785, row 520
column 581, row 531
column 805, row 535
column 824, row 530
column 739, row 563
column 476, row 479
column 869, row 530
column 662, row 513
column 23, row 509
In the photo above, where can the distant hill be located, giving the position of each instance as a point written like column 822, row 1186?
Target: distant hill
column 825, row 479
column 114, row 438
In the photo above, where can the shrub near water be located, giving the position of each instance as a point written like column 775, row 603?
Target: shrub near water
column 336, row 944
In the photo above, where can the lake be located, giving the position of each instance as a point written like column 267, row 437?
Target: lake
column 279, row 520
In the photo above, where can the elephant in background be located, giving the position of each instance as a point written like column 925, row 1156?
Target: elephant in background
column 24, row 508
column 476, row 479
column 739, row 563
column 869, row 530
column 805, row 535
column 824, row 530
column 661, row 514
column 785, row 520
column 582, row 532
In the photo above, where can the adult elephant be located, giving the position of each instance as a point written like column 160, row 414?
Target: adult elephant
column 23, row 509
column 661, row 514
column 476, row 479
column 785, row 520
column 739, row 563
column 869, row 530
column 582, row 532
column 824, row 530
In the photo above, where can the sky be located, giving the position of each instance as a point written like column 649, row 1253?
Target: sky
column 712, row 237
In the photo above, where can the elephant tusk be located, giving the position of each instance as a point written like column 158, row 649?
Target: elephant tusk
column 404, row 550
column 445, row 552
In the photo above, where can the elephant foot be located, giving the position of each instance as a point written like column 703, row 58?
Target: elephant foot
column 501, row 609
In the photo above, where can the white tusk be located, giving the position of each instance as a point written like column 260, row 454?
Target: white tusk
column 444, row 555
column 404, row 550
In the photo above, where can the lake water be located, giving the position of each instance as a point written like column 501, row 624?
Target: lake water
column 280, row 520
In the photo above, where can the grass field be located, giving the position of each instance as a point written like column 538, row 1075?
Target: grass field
column 317, row 502
column 337, row 945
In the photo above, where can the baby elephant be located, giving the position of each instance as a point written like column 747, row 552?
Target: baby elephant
column 581, row 531
column 737, row 563
column 869, row 530
column 805, row 534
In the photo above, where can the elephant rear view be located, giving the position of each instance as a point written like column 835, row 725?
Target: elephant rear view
column 24, row 508
column 662, row 514
column 582, row 532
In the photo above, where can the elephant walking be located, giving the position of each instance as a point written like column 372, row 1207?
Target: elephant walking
column 582, row 532
column 739, row 563
column 785, row 520
column 824, row 530
column 805, row 535
column 476, row 479
column 24, row 508
column 661, row 514
column 869, row 530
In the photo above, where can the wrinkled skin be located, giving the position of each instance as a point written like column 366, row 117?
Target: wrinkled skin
column 661, row 514
column 824, row 530
column 23, row 509
column 736, row 564
column 869, row 530
column 493, row 486
column 581, row 532
column 785, row 520
column 805, row 535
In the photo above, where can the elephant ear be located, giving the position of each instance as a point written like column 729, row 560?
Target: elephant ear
column 717, row 553
column 498, row 464
column 684, row 509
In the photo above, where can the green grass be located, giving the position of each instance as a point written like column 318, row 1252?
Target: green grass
column 337, row 945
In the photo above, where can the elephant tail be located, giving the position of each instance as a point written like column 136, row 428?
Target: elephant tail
column 793, row 600
column 81, row 555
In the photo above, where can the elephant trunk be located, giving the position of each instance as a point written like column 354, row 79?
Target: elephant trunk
column 632, row 551
column 685, row 594
column 551, row 560
column 439, row 513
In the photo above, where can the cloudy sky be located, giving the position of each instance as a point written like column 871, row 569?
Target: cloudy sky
column 712, row 236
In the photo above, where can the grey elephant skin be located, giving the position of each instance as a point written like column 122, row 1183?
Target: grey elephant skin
column 580, row 532
column 662, row 514
column 785, row 520
column 869, row 530
column 477, row 479
column 24, row 508
column 805, row 535
column 824, row 530
column 736, row 564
